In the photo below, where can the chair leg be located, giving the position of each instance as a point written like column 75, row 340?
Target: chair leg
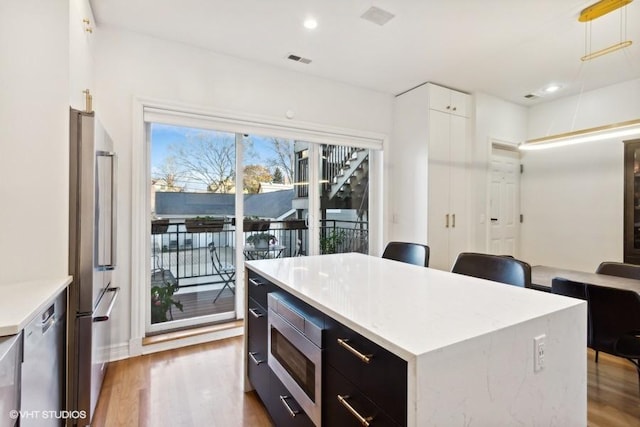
column 227, row 284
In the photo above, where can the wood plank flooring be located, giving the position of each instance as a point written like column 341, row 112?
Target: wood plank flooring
column 202, row 386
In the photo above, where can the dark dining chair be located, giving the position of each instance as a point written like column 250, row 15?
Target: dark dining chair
column 615, row 322
column 504, row 269
column 570, row 288
column 620, row 269
column 227, row 272
column 411, row 253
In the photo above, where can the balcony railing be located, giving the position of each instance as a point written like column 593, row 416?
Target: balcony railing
column 185, row 254
column 338, row 236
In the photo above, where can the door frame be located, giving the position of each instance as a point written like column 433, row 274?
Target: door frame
column 144, row 109
column 500, row 144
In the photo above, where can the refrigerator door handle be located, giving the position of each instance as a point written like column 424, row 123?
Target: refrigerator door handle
column 100, row 316
column 113, row 201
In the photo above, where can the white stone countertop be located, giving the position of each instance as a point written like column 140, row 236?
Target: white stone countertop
column 409, row 310
column 21, row 301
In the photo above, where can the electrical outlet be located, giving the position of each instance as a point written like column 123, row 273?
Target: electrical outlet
column 538, row 353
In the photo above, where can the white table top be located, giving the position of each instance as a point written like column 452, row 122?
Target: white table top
column 22, row 301
column 407, row 309
column 542, row 275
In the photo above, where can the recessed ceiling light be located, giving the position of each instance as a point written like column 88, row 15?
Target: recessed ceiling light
column 552, row 88
column 310, row 23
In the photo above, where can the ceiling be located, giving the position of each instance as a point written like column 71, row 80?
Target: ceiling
column 506, row 48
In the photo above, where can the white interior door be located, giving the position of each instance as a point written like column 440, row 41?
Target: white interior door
column 504, row 202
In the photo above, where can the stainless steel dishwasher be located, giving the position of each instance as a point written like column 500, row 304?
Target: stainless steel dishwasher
column 10, row 357
column 43, row 366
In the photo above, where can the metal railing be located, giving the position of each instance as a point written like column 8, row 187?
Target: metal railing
column 185, row 252
column 338, row 236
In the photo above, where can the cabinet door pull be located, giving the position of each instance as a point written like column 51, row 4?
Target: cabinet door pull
column 283, row 399
column 363, row 420
column 453, row 220
column 255, row 313
column 454, row 108
column 254, row 282
column 252, row 355
column 447, row 221
column 366, row 358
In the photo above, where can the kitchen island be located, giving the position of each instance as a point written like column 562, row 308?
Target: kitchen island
column 467, row 345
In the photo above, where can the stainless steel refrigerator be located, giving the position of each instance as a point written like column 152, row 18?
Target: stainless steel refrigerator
column 92, row 260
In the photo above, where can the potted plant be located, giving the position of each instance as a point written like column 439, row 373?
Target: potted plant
column 261, row 240
column 294, row 224
column 162, row 300
column 159, row 226
column 255, row 224
column 203, row 224
column 329, row 244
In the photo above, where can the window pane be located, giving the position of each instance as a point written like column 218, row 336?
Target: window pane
column 192, row 230
column 344, row 199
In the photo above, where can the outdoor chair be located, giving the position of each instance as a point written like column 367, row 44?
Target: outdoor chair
column 227, row 272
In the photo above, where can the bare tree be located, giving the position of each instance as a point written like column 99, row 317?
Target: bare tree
column 168, row 174
column 208, row 158
column 284, row 157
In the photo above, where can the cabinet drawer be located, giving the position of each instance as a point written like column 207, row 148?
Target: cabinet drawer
column 345, row 405
column 257, row 367
column 284, row 410
column 259, row 287
column 383, row 378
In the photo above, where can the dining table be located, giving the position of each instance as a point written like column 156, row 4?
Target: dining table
column 252, row 252
column 542, row 275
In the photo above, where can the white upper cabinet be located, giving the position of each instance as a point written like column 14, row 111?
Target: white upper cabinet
column 429, row 172
column 448, row 100
column 81, row 28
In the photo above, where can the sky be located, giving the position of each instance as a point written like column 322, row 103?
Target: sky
column 163, row 137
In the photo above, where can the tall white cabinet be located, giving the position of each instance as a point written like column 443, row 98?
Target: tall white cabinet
column 429, row 172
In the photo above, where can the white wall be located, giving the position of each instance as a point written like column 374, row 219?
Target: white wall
column 129, row 65
column 34, row 139
column 572, row 197
column 495, row 120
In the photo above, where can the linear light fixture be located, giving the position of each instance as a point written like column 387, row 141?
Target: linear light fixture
column 600, row 8
column 606, row 50
column 617, row 130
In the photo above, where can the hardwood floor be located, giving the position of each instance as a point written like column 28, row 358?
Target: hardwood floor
column 202, row 386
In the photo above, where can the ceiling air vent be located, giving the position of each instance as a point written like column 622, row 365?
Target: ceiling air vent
column 377, row 16
column 297, row 58
column 531, row 96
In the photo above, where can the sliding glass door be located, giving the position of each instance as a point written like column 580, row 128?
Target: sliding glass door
column 192, row 187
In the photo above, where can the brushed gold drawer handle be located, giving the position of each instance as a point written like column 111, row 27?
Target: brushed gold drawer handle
column 366, row 358
column 283, row 399
column 252, row 355
column 447, row 221
column 363, row 420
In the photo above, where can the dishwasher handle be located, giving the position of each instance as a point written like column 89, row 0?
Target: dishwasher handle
column 104, row 316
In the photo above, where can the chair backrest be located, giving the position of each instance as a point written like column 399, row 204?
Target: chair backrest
column 411, row 253
column 614, row 313
column 215, row 258
column 504, row 269
column 569, row 288
column 620, row 269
